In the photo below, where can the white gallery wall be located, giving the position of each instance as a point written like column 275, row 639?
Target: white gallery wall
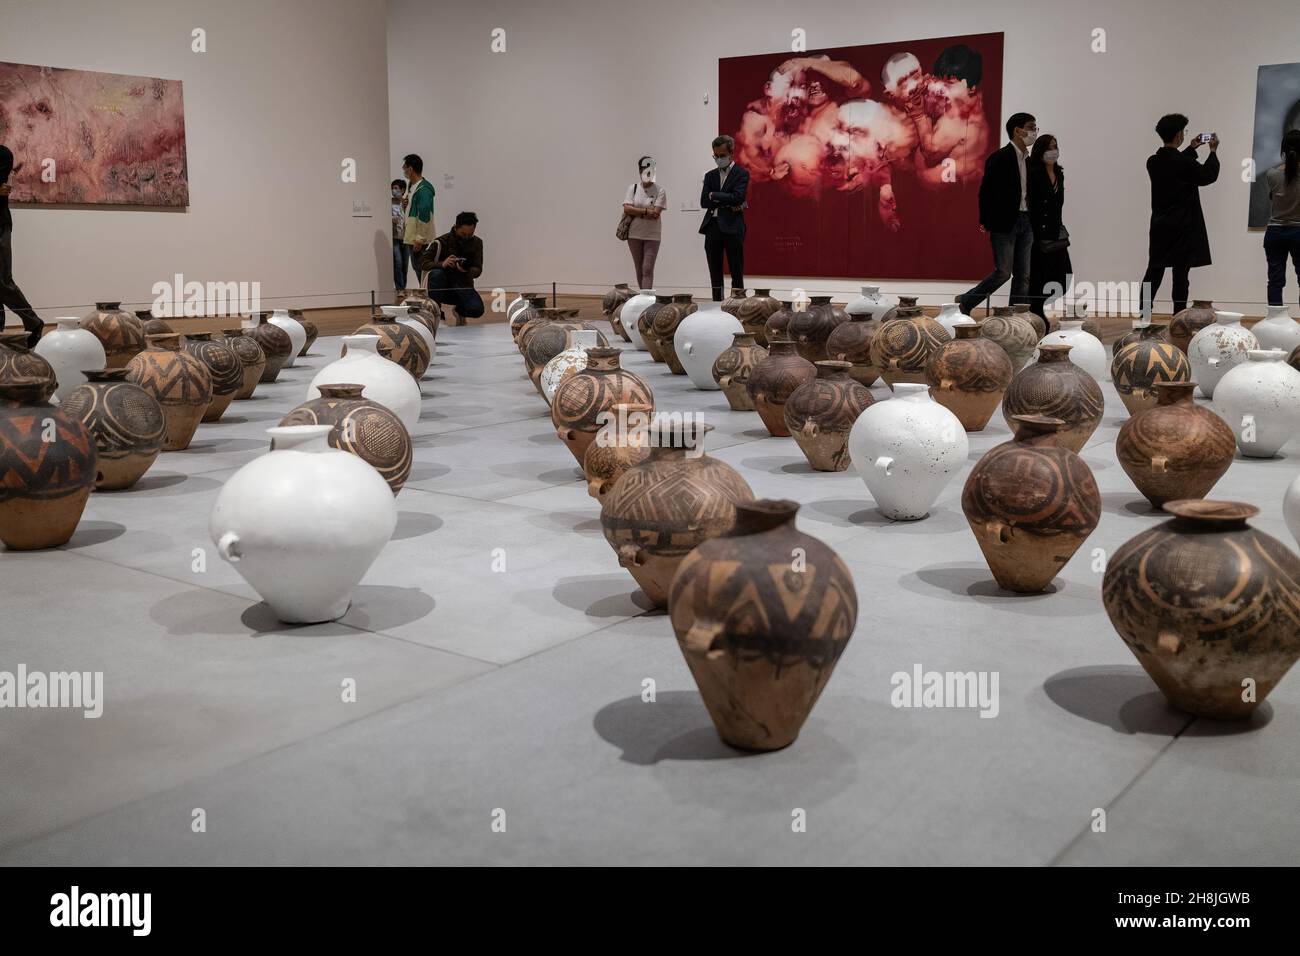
column 542, row 140
column 286, row 90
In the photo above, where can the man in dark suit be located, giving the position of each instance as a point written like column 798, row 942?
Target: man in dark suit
column 1178, row 239
column 723, row 228
column 1004, row 215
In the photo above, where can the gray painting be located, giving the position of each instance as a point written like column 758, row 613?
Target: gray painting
column 1277, row 109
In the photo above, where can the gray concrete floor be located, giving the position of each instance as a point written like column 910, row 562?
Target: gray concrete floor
column 520, row 691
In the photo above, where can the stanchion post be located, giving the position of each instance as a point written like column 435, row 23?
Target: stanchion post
column 372, row 301
column 555, row 302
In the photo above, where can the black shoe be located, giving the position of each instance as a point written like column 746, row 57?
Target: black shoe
column 34, row 335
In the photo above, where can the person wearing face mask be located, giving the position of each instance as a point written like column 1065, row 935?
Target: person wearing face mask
column 401, row 251
column 1004, row 215
column 1049, row 260
column 419, row 231
column 1178, row 239
column 645, row 202
column 723, row 227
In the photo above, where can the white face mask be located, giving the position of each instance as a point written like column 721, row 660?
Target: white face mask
column 722, row 161
column 1052, row 155
column 1030, row 136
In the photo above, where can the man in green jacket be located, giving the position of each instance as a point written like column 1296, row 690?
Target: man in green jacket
column 419, row 230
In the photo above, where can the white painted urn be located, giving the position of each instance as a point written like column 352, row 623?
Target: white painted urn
column 385, row 382
column 303, row 523
column 1260, row 401
column 632, row 310
column 1277, row 330
column 907, row 449
column 569, row 362
column 700, row 338
column 1086, row 350
column 1217, row 349
column 871, row 302
column 70, row 350
column 297, row 333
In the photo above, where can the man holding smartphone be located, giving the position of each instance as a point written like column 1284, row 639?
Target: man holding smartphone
column 10, row 294
column 1178, row 239
column 454, row 261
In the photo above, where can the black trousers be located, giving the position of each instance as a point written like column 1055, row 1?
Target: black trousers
column 12, row 296
column 716, row 244
column 1155, row 275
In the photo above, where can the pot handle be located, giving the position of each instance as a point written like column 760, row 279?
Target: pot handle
column 1212, row 361
column 946, row 385
column 998, row 531
column 885, row 464
column 699, row 639
column 631, row 555
column 689, row 348
column 565, row 434
column 724, row 381
column 1159, row 463
column 228, row 547
column 809, row 429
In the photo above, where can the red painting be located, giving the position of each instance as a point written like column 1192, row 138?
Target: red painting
column 865, row 161
column 93, row 138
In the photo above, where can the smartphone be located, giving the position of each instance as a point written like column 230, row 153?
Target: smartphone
column 1205, row 137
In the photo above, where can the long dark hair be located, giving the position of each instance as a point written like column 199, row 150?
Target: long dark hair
column 1291, row 150
column 1040, row 146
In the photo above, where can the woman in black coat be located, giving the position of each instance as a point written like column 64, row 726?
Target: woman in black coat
column 1049, row 259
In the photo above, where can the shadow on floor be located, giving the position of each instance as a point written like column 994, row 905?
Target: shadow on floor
column 377, row 607
column 675, row 726
column 961, row 582
column 1124, row 698
column 162, row 484
column 413, row 524
column 591, row 595
column 94, row 532
column 1129, row 503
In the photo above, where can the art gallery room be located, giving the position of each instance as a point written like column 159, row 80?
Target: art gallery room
column 727, row 442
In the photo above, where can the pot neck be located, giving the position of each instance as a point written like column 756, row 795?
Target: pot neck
column 763, row 514
column 308, row 438
column 340, row 390
column 1037, row 430
column 1174, row 393
column 912, row 392
column 1199, row 515
column 362, row 343
column 1055, row 352
column 603, row 358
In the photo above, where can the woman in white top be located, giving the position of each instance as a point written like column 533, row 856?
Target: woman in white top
column 645, row 202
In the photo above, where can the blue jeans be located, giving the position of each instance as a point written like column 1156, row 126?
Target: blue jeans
column 465, row 299
column 1010, row 261
column 1279, row 243
column 401, row 258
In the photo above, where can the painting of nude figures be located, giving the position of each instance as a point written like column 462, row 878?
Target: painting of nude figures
column 865, row 161
column 93, row 138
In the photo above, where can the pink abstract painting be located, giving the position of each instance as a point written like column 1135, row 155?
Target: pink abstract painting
column 93, row 138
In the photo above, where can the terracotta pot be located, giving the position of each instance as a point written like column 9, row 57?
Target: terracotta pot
column 754, row 312
column 120, row 332
column 1090, row 325
column 731, row 304
column 661, row 509
column 851, row 342
column 1191, row 320
column 732, row 369
column 645, row 326
column 903, row 345
column 275, row 344
column 525, row 317
column 616, row 322
column 408, row 349
column 550, row 337
column 252, row 360
column 812, row 327
column 408, row 317
column 151, row 324
column 1176, row 449
column 18, row 361
column 361, row 427
column 664, row 328
column 310, row 328
column 1026, row 312
column 968, row 376
column 821, row 412
column 1141, row 332
column 1031, row 502
column 621, row 444
column 1014, row 334
column 761, row 643
column 1054, row 387
column 178, row 381
column 584, row 399
column 615, row 297
column 46, row 474
column 778, row 324
column 774, row 379
column 224, row 366
column 567, row 363
column 127, row 424
column 1140, row 365
column 1208, row 606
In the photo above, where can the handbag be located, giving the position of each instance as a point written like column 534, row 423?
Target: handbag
column 625, row 224
column 1059, row 244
